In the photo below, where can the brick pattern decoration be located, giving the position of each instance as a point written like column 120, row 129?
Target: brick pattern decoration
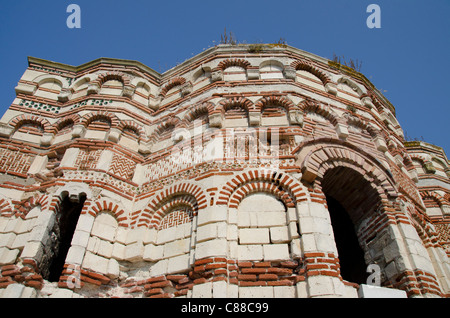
column 273, row 100
column 122, row 166
column 307, row 65
column 26, row 275
column 103, row 204
column 14, row 162
column 223, row 65
column 88, row 159
column 23, row 119
column 178, row 81
column 269, row 180
column 176, row 217
column 265, row 273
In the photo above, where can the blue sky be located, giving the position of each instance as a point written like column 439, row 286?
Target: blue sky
column 408, row 58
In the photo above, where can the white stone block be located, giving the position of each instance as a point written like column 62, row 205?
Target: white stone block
column 250, row 252
column 8, row 256
column 28, row 292
column 254, row 236
column 7, row 239
column 75, row 255
column 39, row 234
column 95, row 263
column 85, row 223
column 105, row 159
column 153, row 253
column 325, row 243
column 202, row 291
column 211, row 248
column 301, row 289
column 134, row 252
column 178, row 264
column 135, row 235
column 31, row 250
column 113, row 269
column 276, row 252
column 20, row 241
column 46, row 218
column 220, row 289
column 308, row 243
column 118, row 252
column 39, row 163
column 232, row 232
column 293, row 230
column 69, row 158
column 176, row 248
column 279, row 234
column 368, row 291
column 256, row 292
column 267, row 219
column 206, row 232
column 105, row 248
column 212, row 214
column 159, row 268
column 80, row 238
column 62, row 293
column 166, row 235
column 104, row 231
column 13, row 291
column 150, row 236
column 121, row 235
column 320, row 286
column 296, row 250
column 284, row 292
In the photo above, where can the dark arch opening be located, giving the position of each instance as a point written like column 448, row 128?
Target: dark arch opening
column 350, row 199
column 66, row 222
column 351, row 256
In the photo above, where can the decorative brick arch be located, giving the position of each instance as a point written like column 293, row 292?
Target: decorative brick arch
column 170, row 123
column 275, row 182
column 310, row 105
column 440, row 200
column 318, row 156
column 282, row 101
column 178, row 81
column 23, row 119
column 235, row 101
column 115, row 75
column 104, row 204
column 129, row 124
column 233, row 62
column 308, row 66
column 6, row 207
column 21, row 208
column 184, row 193
column 362, row 124
column 61, row 123
column 197, row 111
column 90, row 117
column 166, row 207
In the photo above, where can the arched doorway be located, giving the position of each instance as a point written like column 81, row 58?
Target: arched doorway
column 350, row 199
column 62, row 233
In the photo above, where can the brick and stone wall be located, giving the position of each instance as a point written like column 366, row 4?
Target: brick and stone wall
column 214, row 179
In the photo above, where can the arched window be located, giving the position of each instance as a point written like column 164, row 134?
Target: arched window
column 112, row 87
column 235, row 73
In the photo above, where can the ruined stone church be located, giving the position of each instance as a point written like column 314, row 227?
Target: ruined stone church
column 245, row 171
